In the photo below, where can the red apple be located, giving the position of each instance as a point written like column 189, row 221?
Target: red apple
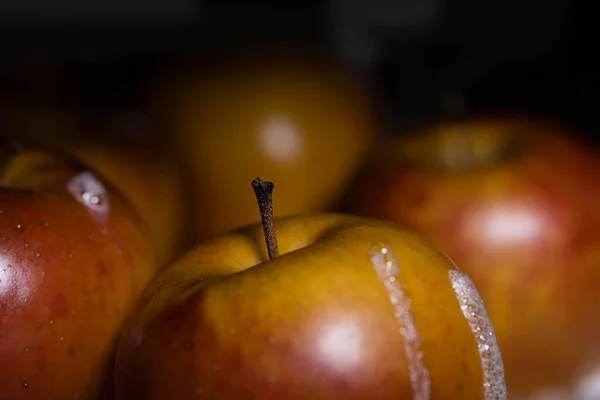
column 515, row 203
column 342, row 308
column 74, row 256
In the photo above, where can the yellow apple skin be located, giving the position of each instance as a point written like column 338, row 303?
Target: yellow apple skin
column 292, row 116
column 224, row 323
column 525, row 225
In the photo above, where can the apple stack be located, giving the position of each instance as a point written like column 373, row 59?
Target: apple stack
column 101, row 297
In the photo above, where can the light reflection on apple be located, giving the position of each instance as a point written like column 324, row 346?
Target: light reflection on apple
column 14, row 282
column 340, row 344
column 280, row 139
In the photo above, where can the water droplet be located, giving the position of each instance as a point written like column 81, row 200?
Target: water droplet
column 37, row 254
column 51, row 322
column 491, row 360
column 89, row 191
column 24, row 382
column 62, row 338
column 26, row 245
column 386, row 265
column 44, row 273
column 46, row 224
column 19, row 228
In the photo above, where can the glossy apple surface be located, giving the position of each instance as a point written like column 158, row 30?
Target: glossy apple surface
column 74, row 256
column 351, row 309
column 291, row 115
column 514, row 203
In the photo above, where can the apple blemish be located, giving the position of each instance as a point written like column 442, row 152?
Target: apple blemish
column 474, row 310
column 386, row 265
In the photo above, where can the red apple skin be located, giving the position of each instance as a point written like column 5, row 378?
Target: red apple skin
column 68, row 275
column 224, row 323
column 525, row 228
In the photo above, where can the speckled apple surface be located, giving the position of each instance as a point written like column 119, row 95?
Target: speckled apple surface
column 73, row 258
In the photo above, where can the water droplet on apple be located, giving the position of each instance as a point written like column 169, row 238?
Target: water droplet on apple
column 24, row 382
column 386, row 265
column 26, row 245
column 494, row 384
column 19, row 228
column 51, row 322
column 37, row 254
column 46, row 224
column 89, row 191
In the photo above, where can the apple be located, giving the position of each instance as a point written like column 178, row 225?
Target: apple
column 289, row 114
column 513, row 201
column 335, row 307
column 74, row 258
column 121, row 147
column 148, row 178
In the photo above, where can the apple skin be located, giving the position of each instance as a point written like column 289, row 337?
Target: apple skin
column 74, row 259
column 291, row 115
column 525, row 227
column 224, row 323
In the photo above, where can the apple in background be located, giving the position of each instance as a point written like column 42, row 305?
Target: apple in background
column 345, row 308
column 290, row 114
column 514, row 202
column 74, row 259
column 146, row 175
column 121, row 147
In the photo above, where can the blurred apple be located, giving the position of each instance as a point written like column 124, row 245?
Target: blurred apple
column 120, row 146
column 292, row 115
column 515, row 203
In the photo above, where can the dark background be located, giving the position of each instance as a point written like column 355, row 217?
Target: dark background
column 431, row 57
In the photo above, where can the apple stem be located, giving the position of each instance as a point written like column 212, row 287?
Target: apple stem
column 264, row 195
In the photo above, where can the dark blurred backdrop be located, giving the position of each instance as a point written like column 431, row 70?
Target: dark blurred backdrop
column 429, row 57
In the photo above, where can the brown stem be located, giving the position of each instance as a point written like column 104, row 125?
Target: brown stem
column 264, row 195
